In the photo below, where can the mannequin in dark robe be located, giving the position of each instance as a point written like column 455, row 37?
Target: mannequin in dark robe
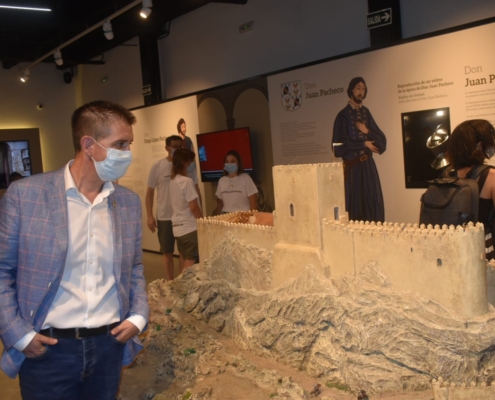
column 356, row 138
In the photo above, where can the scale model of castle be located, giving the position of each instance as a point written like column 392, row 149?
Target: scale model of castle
column 444, row 264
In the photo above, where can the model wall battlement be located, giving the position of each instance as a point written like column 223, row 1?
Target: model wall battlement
column 213, row 221
column 443, row 264
column 405, row 229
column 289, row 169
column 212, row 230
column 472, row 391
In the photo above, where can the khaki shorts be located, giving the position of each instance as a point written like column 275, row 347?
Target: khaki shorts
column 188, row 245
column 166, row 237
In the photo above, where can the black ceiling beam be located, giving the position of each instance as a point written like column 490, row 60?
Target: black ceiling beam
column 25, row 37
column 241, row 2
column 387, row 34
column 150, row 69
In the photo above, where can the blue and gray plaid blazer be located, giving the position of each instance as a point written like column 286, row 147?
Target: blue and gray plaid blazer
column 33, row 249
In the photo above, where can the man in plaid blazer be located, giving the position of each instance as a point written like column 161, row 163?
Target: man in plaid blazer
column 72, row 290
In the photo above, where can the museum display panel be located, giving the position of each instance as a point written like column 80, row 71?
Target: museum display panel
column 401, row 80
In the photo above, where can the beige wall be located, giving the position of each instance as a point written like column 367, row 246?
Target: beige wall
column 205, row 50
column 18, row 101
column 251, row 109
column 18, row 109
column 119, row 80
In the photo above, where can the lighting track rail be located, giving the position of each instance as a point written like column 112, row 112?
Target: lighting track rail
column 107, row 30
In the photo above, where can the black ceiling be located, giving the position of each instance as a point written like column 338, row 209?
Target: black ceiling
column 25, row 36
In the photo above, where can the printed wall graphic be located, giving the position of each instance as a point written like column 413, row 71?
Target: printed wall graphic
column 291, row 95
column 425, row 136
column 453, row 72
column 182, row 130
column 357, row 139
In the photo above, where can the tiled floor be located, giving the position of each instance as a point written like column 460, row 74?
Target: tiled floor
column 153, row 269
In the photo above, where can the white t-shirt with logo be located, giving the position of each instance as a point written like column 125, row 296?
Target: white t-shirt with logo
column 182, row 191
column 235, row 192
column 159, row 178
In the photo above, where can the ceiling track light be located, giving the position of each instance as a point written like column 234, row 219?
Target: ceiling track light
column 25, row 75
column 107, row 29
column 57, row 55
column 146, row 10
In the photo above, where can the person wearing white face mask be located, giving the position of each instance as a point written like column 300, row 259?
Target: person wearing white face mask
column 471, row 143
column 159, row 179
column 236, row 190
column 71, row 273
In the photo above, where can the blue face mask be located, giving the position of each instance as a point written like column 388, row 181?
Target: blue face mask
column 114, row 166
column 231, row 168
column 191, row 167
column 489, row 152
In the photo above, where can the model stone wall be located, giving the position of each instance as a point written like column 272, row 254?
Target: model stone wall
column 212, row 230
column 445, row 264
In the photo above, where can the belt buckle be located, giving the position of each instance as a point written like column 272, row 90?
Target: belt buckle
column 77, row 333
column 363, row 158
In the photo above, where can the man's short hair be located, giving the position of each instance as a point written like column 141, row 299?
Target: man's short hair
column 352, row 85
column 181, row 121
column 170, row 139
column 95, row 119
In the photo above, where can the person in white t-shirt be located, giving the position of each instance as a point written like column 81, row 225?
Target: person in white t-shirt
column 185, row 207
column 159, row 178
column 236, row 190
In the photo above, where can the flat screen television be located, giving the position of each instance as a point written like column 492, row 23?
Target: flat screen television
column 213, row 146
column 15, row 160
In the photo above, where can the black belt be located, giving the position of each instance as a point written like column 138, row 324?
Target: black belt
column 77, row 333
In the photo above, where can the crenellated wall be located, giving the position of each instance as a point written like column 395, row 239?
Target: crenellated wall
column 444, row 264
column 450, row 391
column 212, row 230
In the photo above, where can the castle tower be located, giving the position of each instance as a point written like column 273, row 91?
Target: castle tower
column 304, row 195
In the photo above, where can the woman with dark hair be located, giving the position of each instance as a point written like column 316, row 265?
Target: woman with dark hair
column 185, row 207
column 236, row 190
column 470, row 144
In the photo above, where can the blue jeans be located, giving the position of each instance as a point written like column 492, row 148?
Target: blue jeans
column 74, row 369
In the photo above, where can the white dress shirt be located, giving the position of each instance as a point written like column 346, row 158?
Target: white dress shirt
column 87, row 296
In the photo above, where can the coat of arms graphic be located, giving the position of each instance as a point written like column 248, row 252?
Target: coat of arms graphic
column 291, row 95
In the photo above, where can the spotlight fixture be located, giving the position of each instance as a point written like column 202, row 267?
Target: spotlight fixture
column 107, row 29
column 146, row 9
column 57, row 55
column 25, row 75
